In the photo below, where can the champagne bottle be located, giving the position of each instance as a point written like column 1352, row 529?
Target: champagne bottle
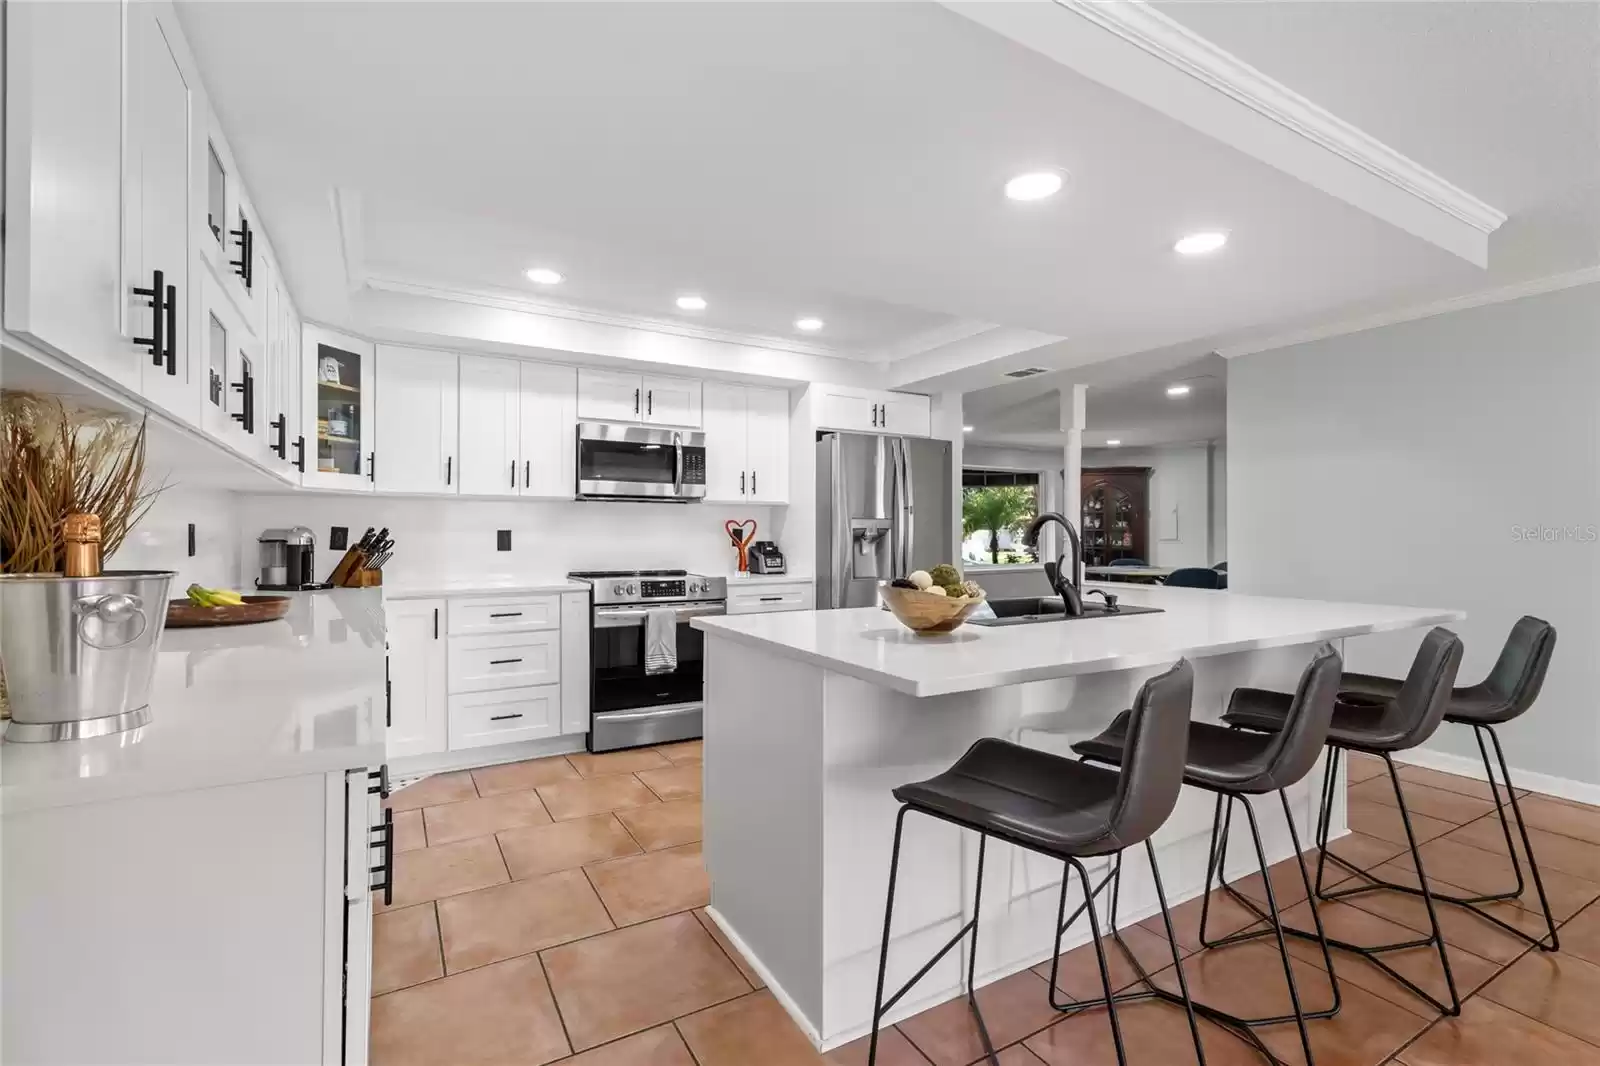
column 82, row 534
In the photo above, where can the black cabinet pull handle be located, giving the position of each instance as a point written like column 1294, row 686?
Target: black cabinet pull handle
column 526, row 466
column 650, row 402
column 507, row 614
column 741, row 482
column 752, row 482
column 300, row 453
column 379, row 780
column 513, row 473
column 772, row 599
column 502, row 662
column 449, row 468
column 280, row 430
column 386, row 867
column 503, row 717
column 247, row 391
column 244, row 266
column 372, row 468
column 635, row 401
column 158, row 317
column 388, row 707
column 171, row 309
column 436, row 623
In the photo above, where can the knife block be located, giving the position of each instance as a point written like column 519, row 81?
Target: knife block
column 351, row 573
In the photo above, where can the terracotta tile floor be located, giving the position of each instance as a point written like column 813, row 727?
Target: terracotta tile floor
column 553, row 911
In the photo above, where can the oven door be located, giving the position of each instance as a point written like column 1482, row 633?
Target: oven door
column 629, row 707
column 634, row 462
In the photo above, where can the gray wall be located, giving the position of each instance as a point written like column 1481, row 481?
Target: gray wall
column 1395, row 465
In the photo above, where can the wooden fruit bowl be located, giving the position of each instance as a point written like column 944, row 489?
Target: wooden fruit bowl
column 927, row 612
column 182, row 614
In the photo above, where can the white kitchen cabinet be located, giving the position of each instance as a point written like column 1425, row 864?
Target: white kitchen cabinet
column 548, row 438
column 871, row 411
column 416, row 408
column 671, row 401
column 747, row 443
column 63, row 192
column 767, row 444
column 751, row 596
column 575, row 662
column 418, row 698
column 726, row 425
column 281, row 352
column 612, row 396
column 156, row 169
column 504, row 660
column 491, row 391
column 503, row 614
column 504, row 716
column 609, row 396
column 336, row 408
column 232, row 362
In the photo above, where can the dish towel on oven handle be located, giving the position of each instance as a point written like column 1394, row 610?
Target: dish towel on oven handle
column 660, row 640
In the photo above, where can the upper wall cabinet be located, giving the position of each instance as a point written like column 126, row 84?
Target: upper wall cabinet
column 97, row 223
column 230, row 243
column 518, row 428
column 747, row 444
column 417, row 409
column 872, row 411
column 336, row 405
column 611, row 396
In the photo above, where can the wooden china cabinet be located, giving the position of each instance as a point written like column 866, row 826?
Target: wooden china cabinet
column 1116, row 514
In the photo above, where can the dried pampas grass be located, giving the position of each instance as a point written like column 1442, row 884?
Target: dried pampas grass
column 57, row 460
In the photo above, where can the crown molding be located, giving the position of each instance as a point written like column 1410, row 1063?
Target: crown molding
column 352, row 247
column 1536, row 287
column 1163, row 37
column 555, row 309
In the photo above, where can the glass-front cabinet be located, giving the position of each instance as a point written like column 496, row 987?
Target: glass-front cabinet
column 336, row 409
column 1115, row 521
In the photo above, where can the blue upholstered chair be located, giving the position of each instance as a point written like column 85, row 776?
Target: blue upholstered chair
column 1195, row 577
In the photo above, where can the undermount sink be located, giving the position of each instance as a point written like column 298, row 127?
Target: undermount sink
column 1026, row 610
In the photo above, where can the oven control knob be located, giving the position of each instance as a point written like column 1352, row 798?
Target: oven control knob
column 619, row 589
column 633, row 590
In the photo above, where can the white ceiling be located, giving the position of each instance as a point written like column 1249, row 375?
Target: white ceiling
column 843, row 160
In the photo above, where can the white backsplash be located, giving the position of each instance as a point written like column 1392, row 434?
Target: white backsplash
column 161, row 540
column 454, row 540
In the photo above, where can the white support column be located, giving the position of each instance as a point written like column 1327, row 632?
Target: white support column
column 1073, row 405
column 947, row 423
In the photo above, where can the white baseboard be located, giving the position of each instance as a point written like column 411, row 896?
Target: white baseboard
column 1471, row 766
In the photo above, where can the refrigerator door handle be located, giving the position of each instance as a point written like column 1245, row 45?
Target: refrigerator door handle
column 908, row 509
column 841, row 528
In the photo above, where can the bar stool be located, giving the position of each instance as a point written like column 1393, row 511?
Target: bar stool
column 1061, row 808
column 1403, row 722
column 1233, row 765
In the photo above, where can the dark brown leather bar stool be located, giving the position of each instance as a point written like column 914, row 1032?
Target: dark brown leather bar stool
column 1062, row 808
column 1234, row 765
column 1505, row 694
column 1403, row 722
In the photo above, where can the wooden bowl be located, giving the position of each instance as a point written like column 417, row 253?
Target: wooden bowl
column 927, row 612
column 182, row 614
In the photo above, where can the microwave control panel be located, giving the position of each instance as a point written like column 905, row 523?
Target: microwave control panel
column 694, row 466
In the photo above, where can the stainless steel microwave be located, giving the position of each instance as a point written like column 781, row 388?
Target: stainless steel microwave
column 618, row 462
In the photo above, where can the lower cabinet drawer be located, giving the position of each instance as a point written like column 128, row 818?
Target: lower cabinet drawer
column 512, row 660
column 503, row 614
column 504, row 716
column 770, row 597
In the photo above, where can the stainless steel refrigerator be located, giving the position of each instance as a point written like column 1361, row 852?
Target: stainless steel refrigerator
column 883, row 510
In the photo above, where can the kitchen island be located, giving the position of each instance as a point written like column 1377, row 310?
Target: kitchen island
column 812, row 718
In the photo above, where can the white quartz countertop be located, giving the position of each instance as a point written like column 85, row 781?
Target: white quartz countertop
column 231, row 704
column 870, row 644
column 438, row 588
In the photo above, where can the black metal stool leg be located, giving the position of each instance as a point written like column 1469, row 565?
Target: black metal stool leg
column 1105, row 970
column 1172, row 941
column 1522, row 829
column 880, row 1006
column 1330, row 788
column 1277, row 924
column 1214, row 863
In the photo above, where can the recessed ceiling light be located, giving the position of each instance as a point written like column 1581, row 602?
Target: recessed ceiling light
column 966, row 429
column 545, row 276
column 1200, row 243
column 1112, row 443
column 808, row 324
column 1177, row 390
column 1034, row 186
column 691, row 303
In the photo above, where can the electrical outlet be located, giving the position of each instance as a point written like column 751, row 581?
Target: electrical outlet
column 338, row 538
column 502, row 540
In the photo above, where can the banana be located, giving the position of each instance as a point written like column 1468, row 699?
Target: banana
column 204, row 597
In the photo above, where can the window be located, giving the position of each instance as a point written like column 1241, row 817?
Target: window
column 996, row 507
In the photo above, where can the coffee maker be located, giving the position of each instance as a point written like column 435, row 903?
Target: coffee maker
column 288, row 561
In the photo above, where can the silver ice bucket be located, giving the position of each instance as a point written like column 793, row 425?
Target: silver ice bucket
column 78, row 652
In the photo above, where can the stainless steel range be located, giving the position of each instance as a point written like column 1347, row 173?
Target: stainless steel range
column 628, row 705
